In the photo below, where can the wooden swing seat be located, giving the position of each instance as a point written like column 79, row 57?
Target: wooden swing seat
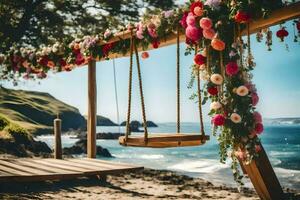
column 163, row 140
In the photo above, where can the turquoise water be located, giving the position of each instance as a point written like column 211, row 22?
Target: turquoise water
column 282, row 143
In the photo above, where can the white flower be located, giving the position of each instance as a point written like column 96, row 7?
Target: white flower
column 215, row 105
column 216, row 79
column 204, row 75
column 242, row 91
column 236, row 118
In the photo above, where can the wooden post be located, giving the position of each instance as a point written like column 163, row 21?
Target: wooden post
column 263, row 177
column 57, row 135
column 92, row 110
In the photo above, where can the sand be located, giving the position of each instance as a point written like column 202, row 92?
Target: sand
column 146, row 184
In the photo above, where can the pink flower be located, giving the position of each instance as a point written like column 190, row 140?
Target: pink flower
column 42, row 75
column 232, row 68
column 190, row 20
column 254, row 98
column 257, row 117
column 139, row 34
column 152, row 32
column 259, row 128
column 183, row 20
column 205, row 23
column 209, row 33
column 193, row 33
column 218, row 120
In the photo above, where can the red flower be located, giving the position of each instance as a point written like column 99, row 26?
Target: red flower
column 282, row 33
column 196, row 4
column 242, row 17
column 62, row 62
column 106, row 48
column 44, row 61
column 145, row 55
column 155, row 44
column 259, row 128
column 79, row 59
column 212, row 91
column 232, row 69
column 298, row 25
column 218, row 120
column 199, row 59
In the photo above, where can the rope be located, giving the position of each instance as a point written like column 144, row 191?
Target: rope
column 178, row 80
column 129, row 89
column 199, row 98
column 116, row 96
column 141, row 92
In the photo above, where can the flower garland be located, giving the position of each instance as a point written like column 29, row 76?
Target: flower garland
column 212, row 25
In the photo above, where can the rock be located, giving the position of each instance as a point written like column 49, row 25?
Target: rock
column 17, row 141
column 150, row 124
column 134, row 126
column 109, row 136
column 137, row 123
column 103, row 121
column 80, row 147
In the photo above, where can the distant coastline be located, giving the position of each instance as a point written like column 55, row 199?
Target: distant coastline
column 284, row 120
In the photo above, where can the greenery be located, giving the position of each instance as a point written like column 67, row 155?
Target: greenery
column 36, row 22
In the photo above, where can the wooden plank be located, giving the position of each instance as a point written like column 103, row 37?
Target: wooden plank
column 102, row 166
column 164, row 140
column 12, row 164
column 13, row 171
column 92, row 110
column 45, row 162
column 52, row 169
column 263, row 177
column 49, row 169
column 112, row 163
column 83, row 166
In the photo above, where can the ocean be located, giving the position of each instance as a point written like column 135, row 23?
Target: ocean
column 281, row 142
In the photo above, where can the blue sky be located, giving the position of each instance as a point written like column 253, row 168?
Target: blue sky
column 276, row 75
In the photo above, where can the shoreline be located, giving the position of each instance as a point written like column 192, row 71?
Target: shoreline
column 144, row 184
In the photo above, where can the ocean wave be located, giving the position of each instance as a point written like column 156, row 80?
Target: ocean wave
column 281, row 153
column 142, row 156
column 200, row 166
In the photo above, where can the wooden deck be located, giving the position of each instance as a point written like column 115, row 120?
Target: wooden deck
column 31, row 169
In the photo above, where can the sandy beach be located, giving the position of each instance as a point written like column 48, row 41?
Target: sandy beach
column 145, row 184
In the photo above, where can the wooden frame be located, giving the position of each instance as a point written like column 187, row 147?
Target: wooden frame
column 260, row 171
column 165, row 140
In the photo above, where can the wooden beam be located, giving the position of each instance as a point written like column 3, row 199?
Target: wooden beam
column 289, row 12
column 263, row 177
column 92, row 110
column 276, row 17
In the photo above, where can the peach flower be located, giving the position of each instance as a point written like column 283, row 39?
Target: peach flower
column 216, row 79
column 242, row 91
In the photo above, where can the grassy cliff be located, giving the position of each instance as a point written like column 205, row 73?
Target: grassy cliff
column 35, row 111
